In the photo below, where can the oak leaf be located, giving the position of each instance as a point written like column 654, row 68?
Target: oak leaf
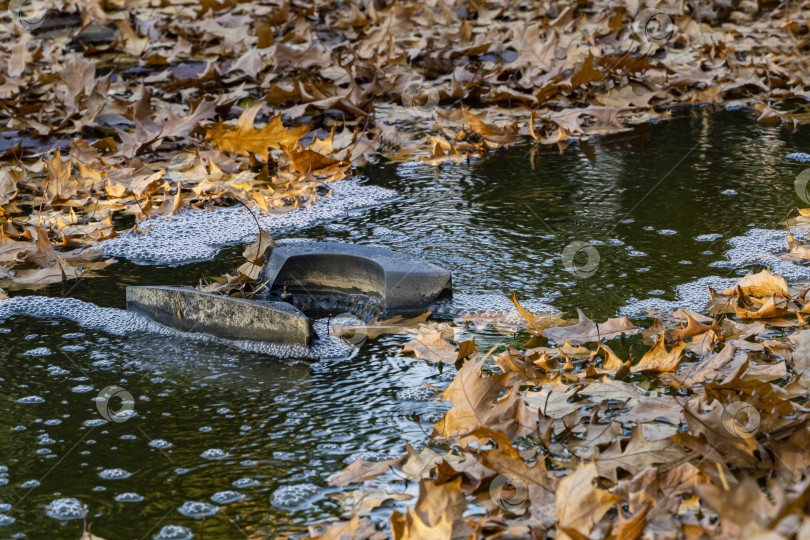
column 361, row 470
column 586, row 331
column 244, row 139
column 658, row 358
column 580, row 505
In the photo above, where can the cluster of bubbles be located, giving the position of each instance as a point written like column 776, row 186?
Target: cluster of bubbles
column 195, row 235
column 65, row 508
column 174, row 532
column 122, row 323
column 294, row 495
column 472, row 304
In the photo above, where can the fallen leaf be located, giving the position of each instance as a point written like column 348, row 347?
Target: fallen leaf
column 361, row 470
column 586, row 331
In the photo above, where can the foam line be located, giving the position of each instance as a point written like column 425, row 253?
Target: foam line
column 196, row 235
column 120, row 322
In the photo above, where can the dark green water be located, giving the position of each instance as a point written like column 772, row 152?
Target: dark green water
column 228, row 415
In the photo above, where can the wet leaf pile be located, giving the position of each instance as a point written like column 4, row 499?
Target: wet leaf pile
column 704, row 434
column 114, row 112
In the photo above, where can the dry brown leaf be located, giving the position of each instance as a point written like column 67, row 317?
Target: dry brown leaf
column 586, row 331
column 245, row 139
column 432, row 347
column 659, row 359
column 580, row 504
column 361, row 470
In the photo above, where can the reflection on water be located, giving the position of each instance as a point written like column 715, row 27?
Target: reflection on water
column 249, row 440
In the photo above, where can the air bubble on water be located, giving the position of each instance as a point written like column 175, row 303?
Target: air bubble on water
column 94, row 422
column 416, row 393
column 330, row 448
column 114, row 474
column 385, row 231
column 73, row 335
column 728, row 192
column 174, row 532
column 708, row 237
column 246, row 483
column 215, row 453
column 73, row 348
column 31, row 400
column 128, row 497
column 6, row 520
column 197, row 510
column 368, row 456
column 39, row 351
column 228, row 496
column 636, row 253
column 160, row 444
column 295, row 495
column 45, row 439
column 799, row 156
column 5, row 507
column 194, row 235
column 64, row 509
column 29, row 484
column 667, row 232
column 431, row 417
column 56, row 370
column 81, row 389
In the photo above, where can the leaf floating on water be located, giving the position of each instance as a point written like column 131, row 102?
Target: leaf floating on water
column 659, row 358
column 763, row 283
column 432, row 347
column 361, row 470
column 587, row 331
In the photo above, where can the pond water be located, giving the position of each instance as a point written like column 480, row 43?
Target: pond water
column 249, row 440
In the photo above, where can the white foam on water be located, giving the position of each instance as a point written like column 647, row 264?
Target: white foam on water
column 757, row 247
column 119, row 322
column 693, row 296
column 799, row 156
column 470, row 304
column 763, row 247
column 195, row 235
